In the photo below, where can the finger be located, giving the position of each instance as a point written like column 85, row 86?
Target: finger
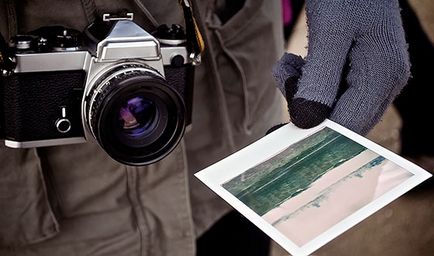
column 331, row 34
column 286, row 72
column 306, row 113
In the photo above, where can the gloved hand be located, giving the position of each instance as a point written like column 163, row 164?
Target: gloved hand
column 357, row 63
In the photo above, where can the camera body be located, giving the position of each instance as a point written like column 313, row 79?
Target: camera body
column 129, row 89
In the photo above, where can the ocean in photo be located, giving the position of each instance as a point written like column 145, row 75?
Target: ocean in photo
column 269, row 184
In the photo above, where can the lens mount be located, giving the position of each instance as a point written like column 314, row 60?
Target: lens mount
column 135, row 115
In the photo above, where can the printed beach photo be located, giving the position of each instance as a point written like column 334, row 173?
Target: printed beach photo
column 315, row 183
column 305, row 187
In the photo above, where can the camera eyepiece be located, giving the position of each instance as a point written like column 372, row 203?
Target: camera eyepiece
column 135, row 115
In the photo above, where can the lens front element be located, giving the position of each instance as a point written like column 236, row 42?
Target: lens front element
column 138, row 118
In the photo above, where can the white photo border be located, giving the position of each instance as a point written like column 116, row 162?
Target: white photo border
column 271, row 145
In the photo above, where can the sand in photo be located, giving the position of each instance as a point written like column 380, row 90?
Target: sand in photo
column 337, row 195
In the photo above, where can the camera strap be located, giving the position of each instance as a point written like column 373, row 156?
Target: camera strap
column 11, row 12
column 195, row 42
column 89, row 8
column 7, row 64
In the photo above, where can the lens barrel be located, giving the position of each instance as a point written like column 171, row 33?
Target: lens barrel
column 135, row 115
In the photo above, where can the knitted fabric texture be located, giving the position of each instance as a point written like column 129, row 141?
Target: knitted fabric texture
column 356, row 45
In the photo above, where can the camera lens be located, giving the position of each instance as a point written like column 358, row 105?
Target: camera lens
column 135, row 115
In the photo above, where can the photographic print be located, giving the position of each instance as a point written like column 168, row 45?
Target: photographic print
column 323, row 171
column 305, row 187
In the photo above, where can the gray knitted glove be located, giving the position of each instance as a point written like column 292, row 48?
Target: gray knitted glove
column 357, row 63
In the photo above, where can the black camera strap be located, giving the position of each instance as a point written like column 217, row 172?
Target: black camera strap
column 3, row 54
column 7, row 64
column 11, row 13
column 89, row 8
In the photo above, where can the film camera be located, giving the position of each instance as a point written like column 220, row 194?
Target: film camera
column 129, row 89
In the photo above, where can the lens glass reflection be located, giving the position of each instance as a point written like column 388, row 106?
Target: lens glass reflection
column 137, row 117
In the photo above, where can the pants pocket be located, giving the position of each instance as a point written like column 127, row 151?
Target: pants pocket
column 26, row 214
column 246, row 47
column 226, row 9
